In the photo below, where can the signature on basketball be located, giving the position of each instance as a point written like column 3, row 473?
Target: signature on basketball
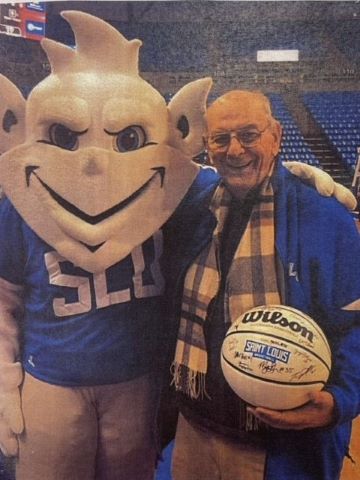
column 243, row 356
column 306, row 358
column 269, row 367
column 305, row 371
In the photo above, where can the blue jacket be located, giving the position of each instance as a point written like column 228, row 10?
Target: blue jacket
column 319, row 249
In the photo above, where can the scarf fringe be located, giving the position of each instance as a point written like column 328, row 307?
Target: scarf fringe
column 247, row 421
column 188, row 381
column 252, row 423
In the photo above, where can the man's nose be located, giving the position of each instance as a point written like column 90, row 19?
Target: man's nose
column 235, row 147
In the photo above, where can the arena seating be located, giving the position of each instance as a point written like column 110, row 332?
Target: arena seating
column 294, row 146
column 338, row 114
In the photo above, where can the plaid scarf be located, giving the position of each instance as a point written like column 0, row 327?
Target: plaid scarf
column 251, row 281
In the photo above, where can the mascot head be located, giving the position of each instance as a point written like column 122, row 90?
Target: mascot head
column 104, row 162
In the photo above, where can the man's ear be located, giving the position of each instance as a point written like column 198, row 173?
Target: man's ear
column 12, row 115
column 187, row 116
column 277, row 134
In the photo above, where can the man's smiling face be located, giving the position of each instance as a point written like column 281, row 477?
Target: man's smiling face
column 95, row 176
column 243, row 140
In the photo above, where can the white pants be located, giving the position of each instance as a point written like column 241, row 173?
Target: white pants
column 200, row 455
column 84, row 433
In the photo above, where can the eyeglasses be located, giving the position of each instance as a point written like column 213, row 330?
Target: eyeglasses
column 247, row 137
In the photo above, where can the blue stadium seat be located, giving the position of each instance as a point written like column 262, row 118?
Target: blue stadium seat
column 294, row 146
column 338, row 115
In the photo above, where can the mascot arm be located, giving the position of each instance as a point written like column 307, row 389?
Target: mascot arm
column 323, row 183
column 11, row 373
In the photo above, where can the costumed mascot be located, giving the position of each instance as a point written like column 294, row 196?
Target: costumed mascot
column 103, row 165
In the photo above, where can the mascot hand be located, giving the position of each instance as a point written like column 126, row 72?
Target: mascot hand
column 11, row 422
column 344, row 196
column 323, row 182
column 11, row 418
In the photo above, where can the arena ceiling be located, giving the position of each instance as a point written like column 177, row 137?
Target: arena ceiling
column 253, row 17
column 200, row 11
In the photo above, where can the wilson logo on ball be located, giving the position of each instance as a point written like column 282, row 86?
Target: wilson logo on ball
column 276, row 317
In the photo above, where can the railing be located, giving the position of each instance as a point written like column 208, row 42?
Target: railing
column 356, row 179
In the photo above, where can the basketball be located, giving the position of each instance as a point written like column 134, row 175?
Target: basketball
column 273, row 356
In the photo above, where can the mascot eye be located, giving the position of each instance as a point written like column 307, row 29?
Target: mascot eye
column 63, row 137
column 131, row 138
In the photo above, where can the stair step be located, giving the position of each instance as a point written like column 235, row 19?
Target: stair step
column 338, row 175
column 320, row 149
column 337, row 169
column 328, row 161
column 319, row 144
column 315, row 140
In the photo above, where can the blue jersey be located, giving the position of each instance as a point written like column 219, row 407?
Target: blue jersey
column 81, row 328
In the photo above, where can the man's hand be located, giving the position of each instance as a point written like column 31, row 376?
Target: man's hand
column 323, row 183
column 318, row 412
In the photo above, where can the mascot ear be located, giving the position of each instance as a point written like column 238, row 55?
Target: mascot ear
column 187, row 109
column 12, row 115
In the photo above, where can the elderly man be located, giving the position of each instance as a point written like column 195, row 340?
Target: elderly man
column 264, row 238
